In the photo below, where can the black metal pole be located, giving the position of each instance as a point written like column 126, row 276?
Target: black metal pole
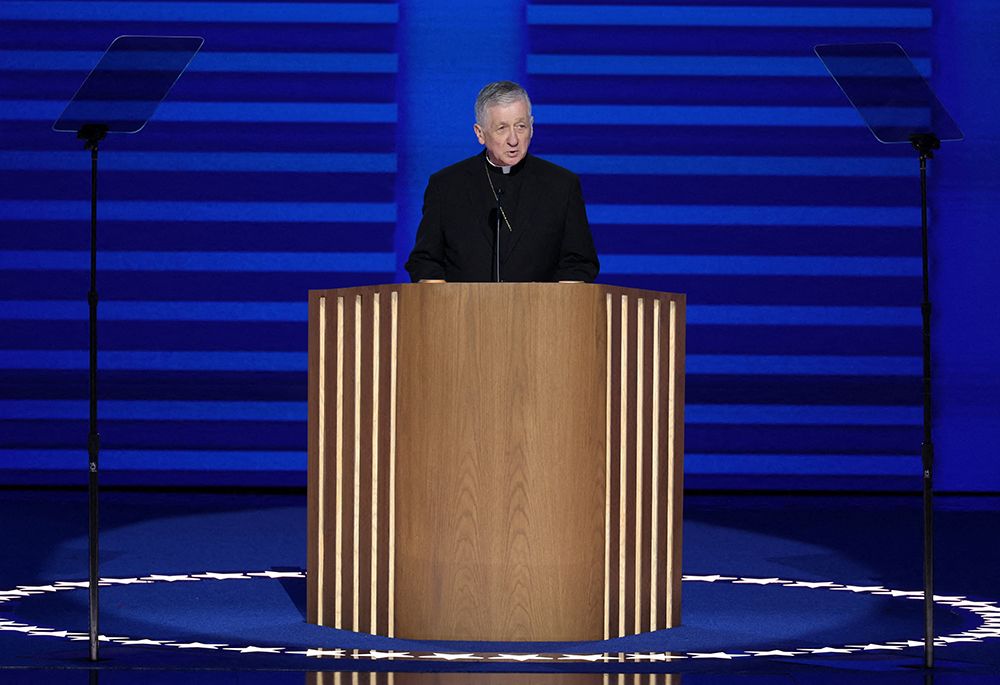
column 499, row 197
column 93, row 134
column 924, row 144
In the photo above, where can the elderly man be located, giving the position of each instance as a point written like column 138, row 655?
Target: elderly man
column 543, row 229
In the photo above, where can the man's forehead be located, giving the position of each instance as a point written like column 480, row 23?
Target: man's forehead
column 515, row 111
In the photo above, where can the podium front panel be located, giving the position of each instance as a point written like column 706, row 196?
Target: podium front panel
column 495, row 461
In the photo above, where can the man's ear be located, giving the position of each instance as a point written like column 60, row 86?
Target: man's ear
column 479, row 133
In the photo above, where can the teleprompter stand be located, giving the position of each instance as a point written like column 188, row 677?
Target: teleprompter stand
column 119, row 96
column 898, row 105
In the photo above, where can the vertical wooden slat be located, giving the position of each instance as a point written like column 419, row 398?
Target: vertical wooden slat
column 644, row 574
column 321, row 464
column 654, row 562
column 374, row 500
column 317, row 438
column 366, row 461
column 608, row 464
column 675, row 489
column 671, row 446
column 623, row 495
column 345, row 467
column 614, row 466
column 639, row 409
column 339, row 487
column 356, row 523
column 392, row 467
column 631, row 465
column 380, row 578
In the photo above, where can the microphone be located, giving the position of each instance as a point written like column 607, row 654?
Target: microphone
column 497, row 247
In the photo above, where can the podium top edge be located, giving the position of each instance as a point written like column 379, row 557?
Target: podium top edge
column 400, row 287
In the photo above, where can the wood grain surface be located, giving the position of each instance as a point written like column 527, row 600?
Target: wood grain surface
column 503, row 457
column 495, row 461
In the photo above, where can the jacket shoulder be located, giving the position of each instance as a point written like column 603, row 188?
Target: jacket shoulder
column 547, row 169
column 457, row 169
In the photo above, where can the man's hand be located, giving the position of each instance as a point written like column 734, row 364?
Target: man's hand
column 432, row 280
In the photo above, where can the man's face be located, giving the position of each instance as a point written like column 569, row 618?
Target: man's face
column 506, row 133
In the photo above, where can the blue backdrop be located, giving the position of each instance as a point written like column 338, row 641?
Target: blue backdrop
column 718, row 159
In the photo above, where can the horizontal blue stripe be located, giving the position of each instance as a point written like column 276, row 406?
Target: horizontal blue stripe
column 741, row 265
column 254, row 460
column 803, row 464
column 757, row 315
column 187, row 460
column 226, row 12
column 691, row 165
column 685, row 65
column 294, row 112
column 648, row 15
column 355, row 262
column 866, row 61
column 695, row 115
column 377, row 261
column 111, row 310
column 723, row 315
column 140, row 210
column 667, row 165
column 666, row 215
column 145, row 410
column 70, row 360
column 817, row 365
column 172, row 61
column 126, row 160
column 296, row 361
column 752, row 215
column 763, row 414
column 282, row 62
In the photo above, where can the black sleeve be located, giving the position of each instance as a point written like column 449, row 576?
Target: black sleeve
column 578, row 258
column 427, row 258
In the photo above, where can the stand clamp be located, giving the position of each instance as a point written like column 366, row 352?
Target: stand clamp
column 924, row 143
column 93, row 134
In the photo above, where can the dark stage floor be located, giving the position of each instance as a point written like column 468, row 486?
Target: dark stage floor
column 779, row 588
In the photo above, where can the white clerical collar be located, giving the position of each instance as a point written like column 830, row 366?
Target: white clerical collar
column 506, row 169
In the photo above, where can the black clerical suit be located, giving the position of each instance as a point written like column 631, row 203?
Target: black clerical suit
column 544, row 234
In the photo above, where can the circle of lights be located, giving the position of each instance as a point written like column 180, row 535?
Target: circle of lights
column 987, row 611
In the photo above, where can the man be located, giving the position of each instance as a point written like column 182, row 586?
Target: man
column 543, row 229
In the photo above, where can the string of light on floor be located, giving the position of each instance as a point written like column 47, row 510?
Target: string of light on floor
column 988, row 613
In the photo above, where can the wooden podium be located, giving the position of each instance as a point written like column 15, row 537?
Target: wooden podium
column 495, row 461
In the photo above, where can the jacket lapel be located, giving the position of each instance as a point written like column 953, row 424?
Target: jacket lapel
column 527, row 199
column 475, row 180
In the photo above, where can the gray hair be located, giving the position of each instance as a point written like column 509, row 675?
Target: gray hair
column 499, row 93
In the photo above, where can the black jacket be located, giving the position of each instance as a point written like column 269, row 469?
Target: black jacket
column 550, row 239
